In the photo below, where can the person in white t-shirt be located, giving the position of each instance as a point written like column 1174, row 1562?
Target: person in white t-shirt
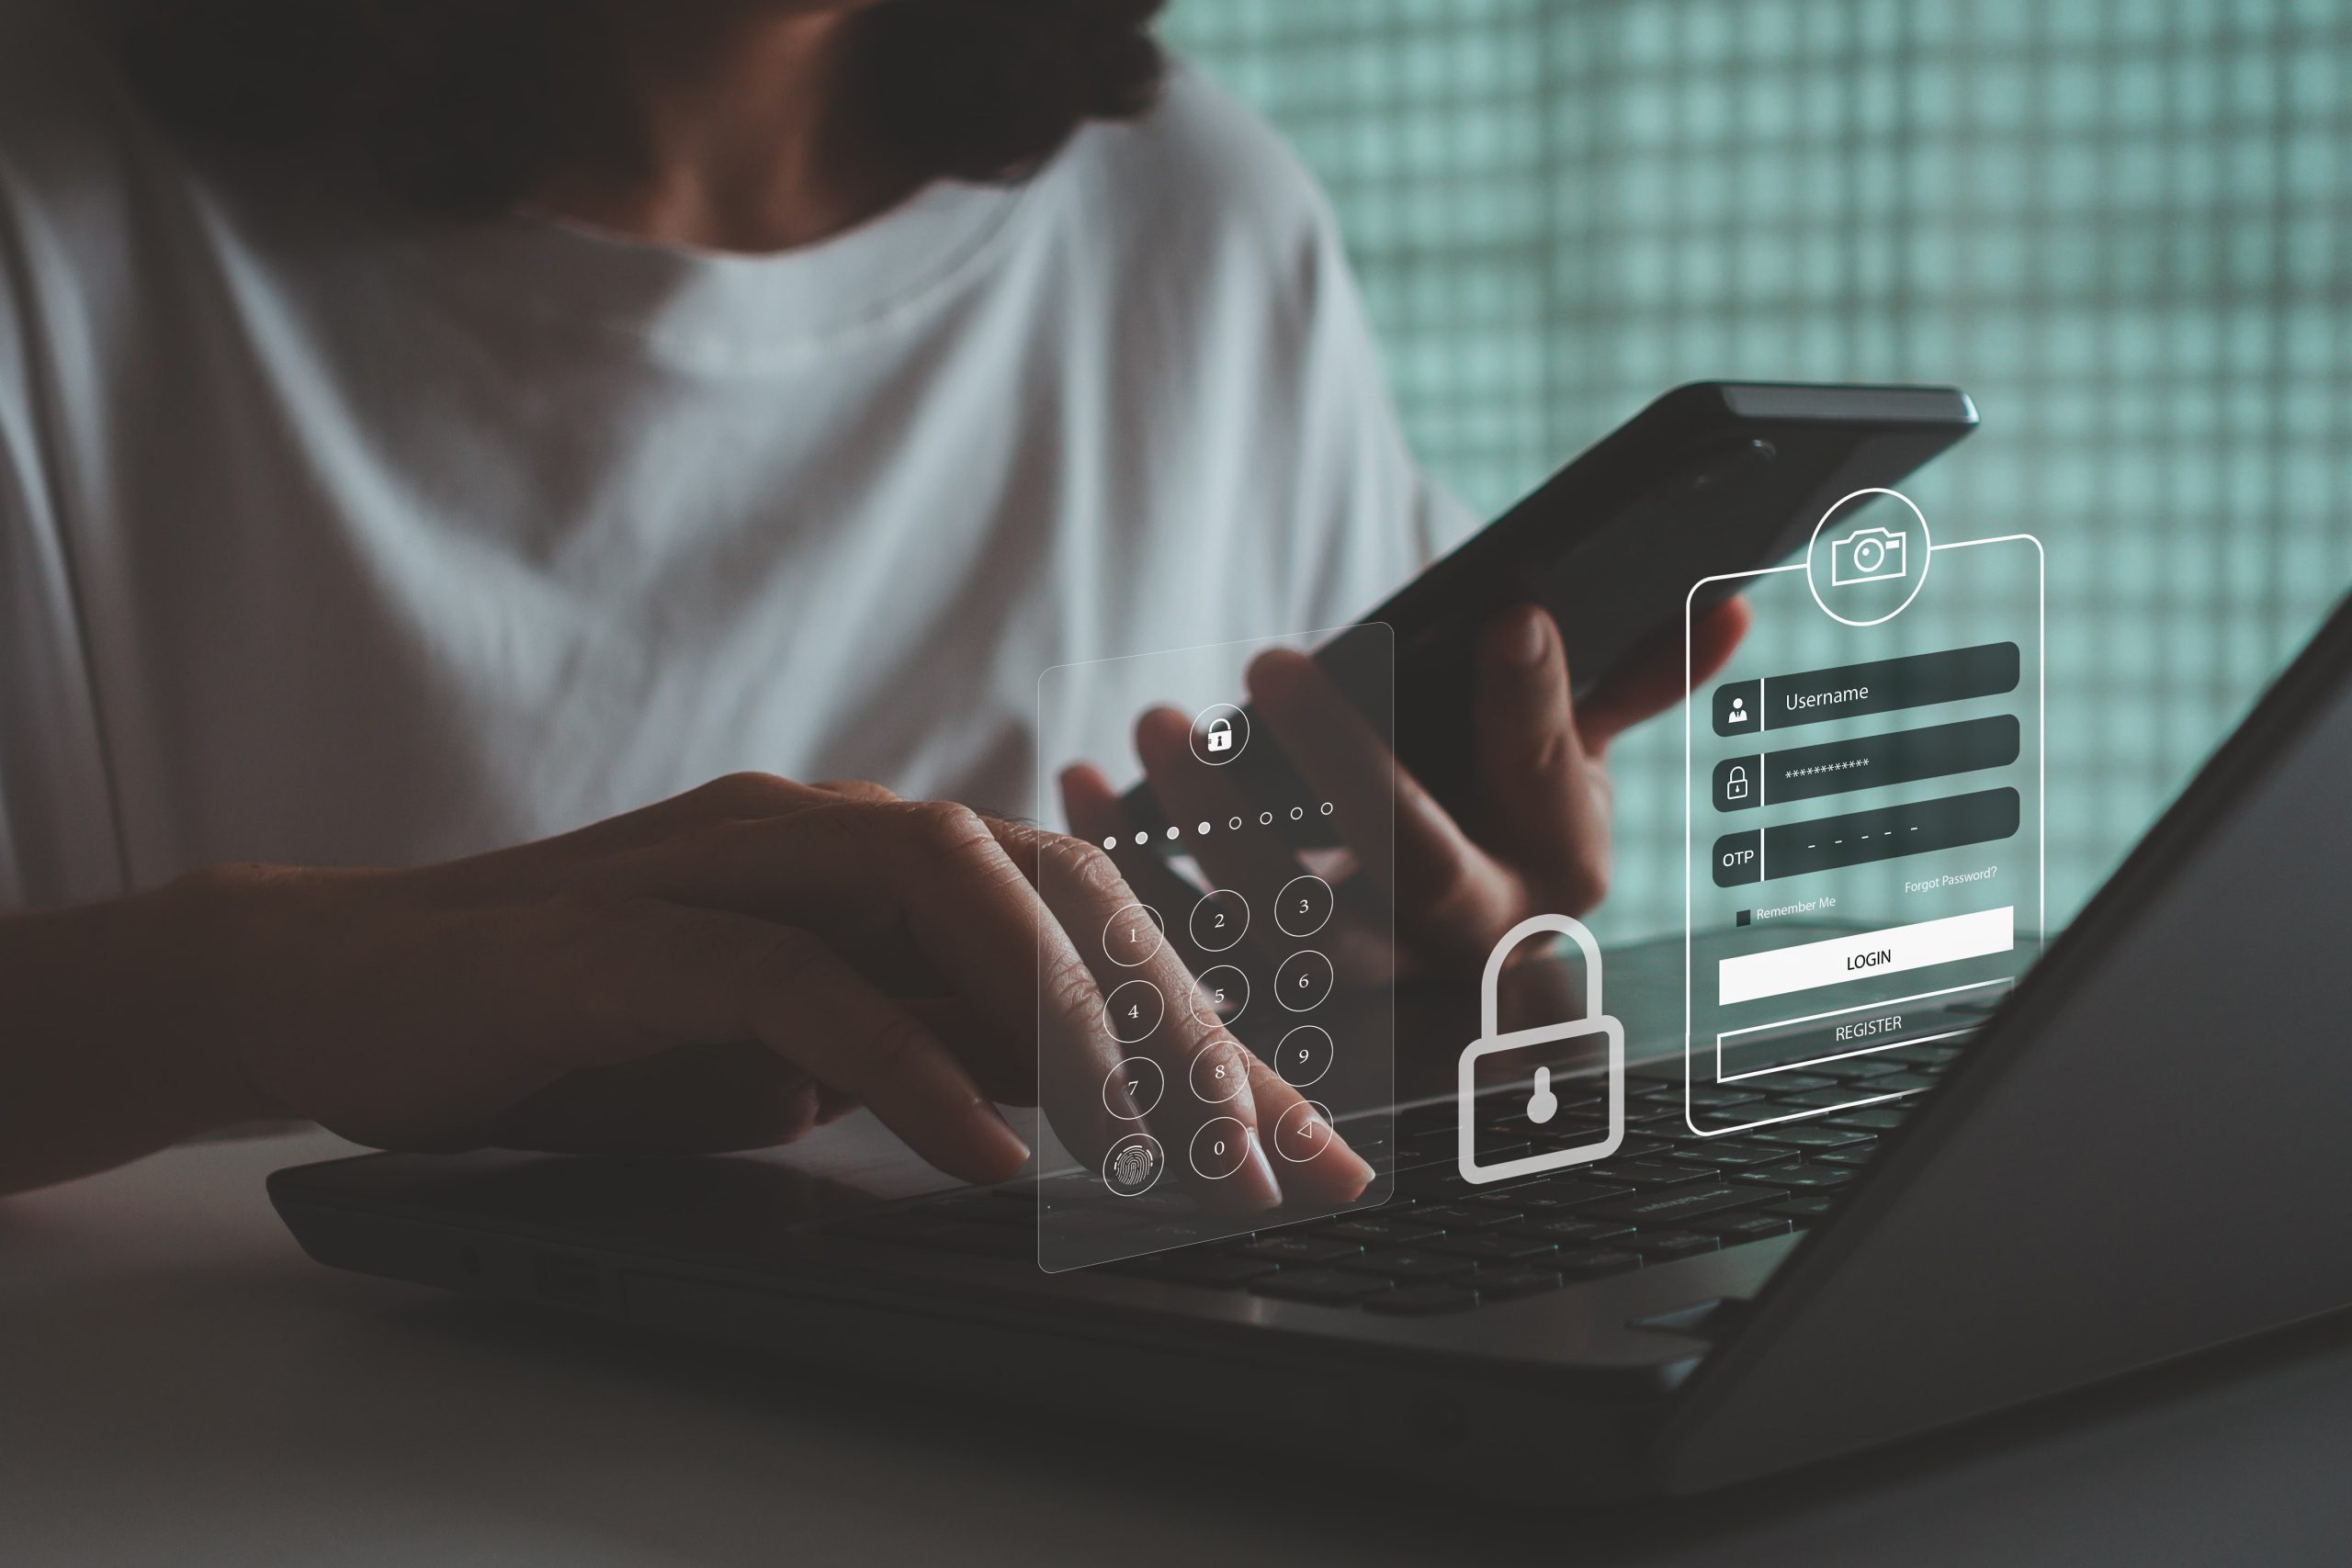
column 431, row 429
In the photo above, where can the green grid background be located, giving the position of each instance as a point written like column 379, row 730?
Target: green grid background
column 2122, row 225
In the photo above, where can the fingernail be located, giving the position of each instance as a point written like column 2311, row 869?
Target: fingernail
column 1343, row 1164
column 997, row 1149
column 1255, row 1180
column 1522, row 639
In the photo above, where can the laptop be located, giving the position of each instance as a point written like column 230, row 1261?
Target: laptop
column 2136, row 1154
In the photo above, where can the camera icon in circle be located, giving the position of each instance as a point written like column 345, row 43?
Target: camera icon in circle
column 1867, row 555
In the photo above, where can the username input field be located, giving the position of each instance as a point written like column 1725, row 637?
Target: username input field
column 1751, row 977
column 1879, row 685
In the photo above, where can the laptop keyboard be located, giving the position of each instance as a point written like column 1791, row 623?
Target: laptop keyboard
column 1442, row 1245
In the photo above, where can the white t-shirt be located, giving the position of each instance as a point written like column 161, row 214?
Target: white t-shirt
column 332, row 534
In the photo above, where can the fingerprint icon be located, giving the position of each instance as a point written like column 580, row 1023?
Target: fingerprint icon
column 1131, row 1167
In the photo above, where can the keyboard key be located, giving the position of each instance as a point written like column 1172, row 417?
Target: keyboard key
column 1733, row 1229
column 1420, row 1159
column 1493, row 1247
column 1452, row 1218
column 1804, row 1175
column 1857, row 1069
column 1564, row 1193
column 1810, row 1135
column 1571, row 1230
column 1422, row 1301
column 1733, row 1123
column 1672, row 1205
column 1934, row 1055
column 1378, row 1230
column 986, row 1241
column 1507, row 1284
column 1299, row 1249
column 1901, row 1083
column 1098, row 1220
column 1053, row 1190
column 1727, row 1156
column 1848, row 1158
column 1325, row 1287
column 1872, row 1118
column 1658, row 1247
column 1592, row 1262
column 915, row 1229
column 1441, row 1182
column 1777, row 1084
column 1592, row 1121
column 1651, row 1172
column 1715, row 1097
column 1408, row 1263
column 1803, row 1209
column 984, row 1208
column 1825, row 1099
column 1510, row 1195
column 1212, row 1271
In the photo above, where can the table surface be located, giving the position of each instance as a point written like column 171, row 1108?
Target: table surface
column 180, row 1386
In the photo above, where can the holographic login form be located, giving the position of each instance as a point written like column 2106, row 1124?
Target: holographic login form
column 1863, row 816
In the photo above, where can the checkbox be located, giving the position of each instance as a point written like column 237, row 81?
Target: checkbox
column 1741, row 918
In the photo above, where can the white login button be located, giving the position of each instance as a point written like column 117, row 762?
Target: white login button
column 1833, row 962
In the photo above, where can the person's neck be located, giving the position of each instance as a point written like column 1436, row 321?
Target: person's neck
column 742, row 144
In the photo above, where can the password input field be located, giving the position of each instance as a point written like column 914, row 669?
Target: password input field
column 1865, row 761
column 1808, row 966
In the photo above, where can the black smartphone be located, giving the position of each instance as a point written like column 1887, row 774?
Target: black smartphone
column 1714, row 477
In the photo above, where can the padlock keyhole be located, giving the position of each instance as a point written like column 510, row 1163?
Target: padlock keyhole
column 1542, row 1105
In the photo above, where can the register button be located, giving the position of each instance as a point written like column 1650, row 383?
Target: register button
column 1754, row 975
column 1799, row 1042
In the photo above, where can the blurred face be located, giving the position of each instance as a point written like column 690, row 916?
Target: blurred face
column 466, row 110
column 746, row 9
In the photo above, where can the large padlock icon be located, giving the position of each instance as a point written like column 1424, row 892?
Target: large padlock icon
column 1736, row 785
column 1541, row 1102
column 1220, row 735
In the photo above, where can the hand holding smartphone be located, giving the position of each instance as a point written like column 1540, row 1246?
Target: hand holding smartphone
column 1710, row 477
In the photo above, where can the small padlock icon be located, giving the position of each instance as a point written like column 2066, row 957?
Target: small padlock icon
column 1541, row 1102
column 1220, row 735
column 1736, row 785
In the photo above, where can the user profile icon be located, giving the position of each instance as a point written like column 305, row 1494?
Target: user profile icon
column 1737, row 707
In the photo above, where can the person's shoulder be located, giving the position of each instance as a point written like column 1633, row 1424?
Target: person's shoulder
column 1209, row 151
column 1199, row 175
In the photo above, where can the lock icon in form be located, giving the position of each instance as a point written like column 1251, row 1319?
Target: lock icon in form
column 1220, row 735
column 1736, row 786
column 1542, row 1104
